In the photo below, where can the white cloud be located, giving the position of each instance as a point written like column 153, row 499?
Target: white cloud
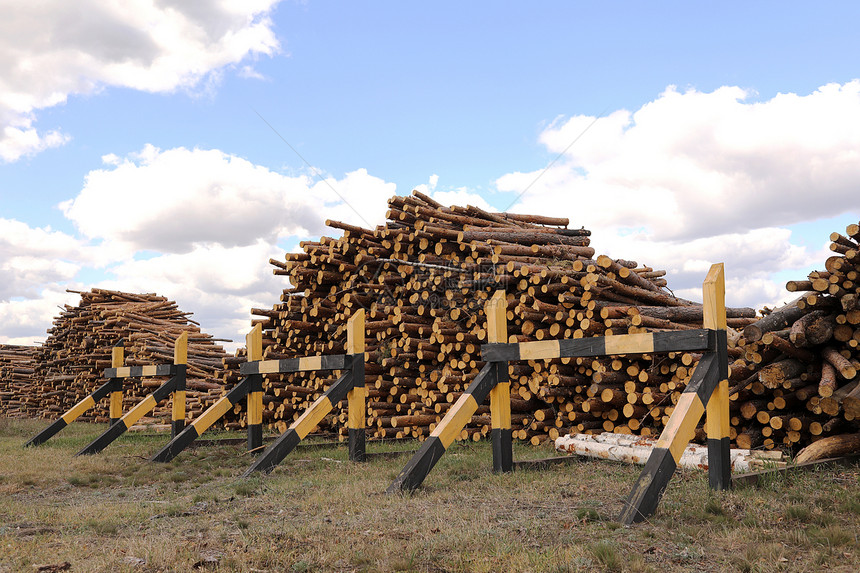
column 692, row 178
column 53, row 49
column 198, row 226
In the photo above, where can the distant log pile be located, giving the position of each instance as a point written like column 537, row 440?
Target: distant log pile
column 17, row 394
column 69, row 365
column 796, row 378
column 424, row 277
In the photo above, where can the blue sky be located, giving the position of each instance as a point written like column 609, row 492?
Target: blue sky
column 472, row 100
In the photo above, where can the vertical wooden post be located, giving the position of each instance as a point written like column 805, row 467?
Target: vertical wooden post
column 500, row 395
column 356, row 398
column 180, row 360
column 254, row 349
column 116, row 361
column 717, row 421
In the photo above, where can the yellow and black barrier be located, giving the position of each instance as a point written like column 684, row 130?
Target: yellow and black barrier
column 113, row 387
column 708, row 388
column 350, row 386
column 175, row 386
column 250, row 387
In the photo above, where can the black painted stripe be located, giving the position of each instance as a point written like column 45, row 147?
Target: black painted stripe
column 47, row 433
column 357, row 441
column 414, row 472
column 680, row 341
column 137, row 371
column 719, row 464
column 705, row 377
column 104, row 440
column 645, row 496
column 483, row 383
column 503, row 458
column 176, row 445
column 327, row 362
column 255, row 436
column 276, row 452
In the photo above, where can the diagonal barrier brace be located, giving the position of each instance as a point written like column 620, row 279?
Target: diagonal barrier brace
column 286, row 442
column 643, row 499
column 349, row 386
column 113, row 387
column 446, row 432
column 224, row 404
column 176, row 382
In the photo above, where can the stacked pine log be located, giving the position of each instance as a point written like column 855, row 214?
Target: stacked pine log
column 796, row 379
column 70, row 364
column 424, row 278
column 17, row 366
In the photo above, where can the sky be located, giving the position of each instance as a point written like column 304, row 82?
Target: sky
column 174, row 147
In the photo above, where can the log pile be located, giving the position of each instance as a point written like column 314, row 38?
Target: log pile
column 69, row 365
column 424, row 278
column 796, row 377
column 17, row 366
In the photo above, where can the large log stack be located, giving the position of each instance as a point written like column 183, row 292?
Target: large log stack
column 69, row 365
column 424, row 278
column 796, row 378
column 17, row 392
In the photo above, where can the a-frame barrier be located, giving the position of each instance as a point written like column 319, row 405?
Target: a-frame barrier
column 251, row 386
column 707, row 387
column 113, row 387
column 175, row 386
column 350, row 385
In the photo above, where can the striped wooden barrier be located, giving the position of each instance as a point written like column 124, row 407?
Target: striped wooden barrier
column 114, row 387
column 708, row 388
column 175, row 386
column 350, row 385
column 250, row 388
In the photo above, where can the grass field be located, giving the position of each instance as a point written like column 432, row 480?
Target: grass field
column 317, row 512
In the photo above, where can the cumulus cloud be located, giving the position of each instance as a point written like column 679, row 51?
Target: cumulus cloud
column 53, row 49
column 693, row 178
column 172, row 200
column 198, row 226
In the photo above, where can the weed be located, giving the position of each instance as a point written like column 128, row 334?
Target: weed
column 606, row 553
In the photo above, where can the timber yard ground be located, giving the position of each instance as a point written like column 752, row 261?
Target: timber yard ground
column 116, row 511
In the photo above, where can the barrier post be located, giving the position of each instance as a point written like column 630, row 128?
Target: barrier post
column 117, row 359
column 254, row 346
column 356, row 398
column 717, row 413
column 500, row 395
column 180, row 360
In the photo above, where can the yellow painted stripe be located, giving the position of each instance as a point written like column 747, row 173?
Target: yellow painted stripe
column 180, row 349
column 355, row 333
column 629, row 344
column 682, row 425
column 717, row 420
column 539, row 350
column 356, row 413
column 139, row 411
column 212, row 415
column 123, row 372
column 269, row 366
column 78, row 409
column 150, row 370
column 500, row 406
column 458, row 416
column 312, row 417
column 310, row 363
column 255, row 408
column 179, row 405
column 116, row 405
column 117, row 355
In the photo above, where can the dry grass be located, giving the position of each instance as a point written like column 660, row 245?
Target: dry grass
column 317, row 512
